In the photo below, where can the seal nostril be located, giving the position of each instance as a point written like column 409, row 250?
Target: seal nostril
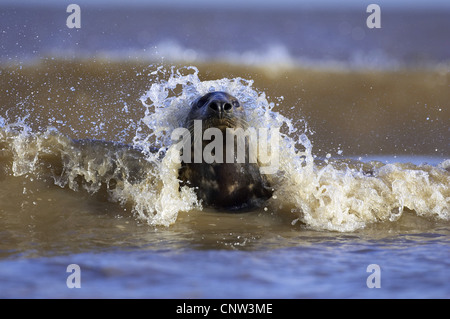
column 227, row 107
column 214, row 106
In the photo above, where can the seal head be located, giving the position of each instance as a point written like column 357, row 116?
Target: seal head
column 235, row 185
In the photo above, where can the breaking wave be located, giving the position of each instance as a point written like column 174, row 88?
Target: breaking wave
column 325, row 194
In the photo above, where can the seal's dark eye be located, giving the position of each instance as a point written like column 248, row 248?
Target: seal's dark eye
column 236, row 103
column 202, row 101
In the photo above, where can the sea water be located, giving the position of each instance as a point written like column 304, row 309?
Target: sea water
column 88, row 171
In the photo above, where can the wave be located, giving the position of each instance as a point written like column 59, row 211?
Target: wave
column 309, row 38
column 273, row 56
column 344, row 195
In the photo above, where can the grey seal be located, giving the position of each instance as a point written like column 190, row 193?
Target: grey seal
column 231, row 186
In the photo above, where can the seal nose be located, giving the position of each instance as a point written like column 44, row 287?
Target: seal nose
column 221, row 106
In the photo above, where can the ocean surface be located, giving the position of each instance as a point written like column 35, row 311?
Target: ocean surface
column 361, row 202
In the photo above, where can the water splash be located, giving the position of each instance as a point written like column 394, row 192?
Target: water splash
column 325, row 195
